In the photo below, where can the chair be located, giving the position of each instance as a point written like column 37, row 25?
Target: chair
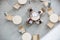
column 38, row 21
column 21, row 29
column 39, row 12
column 42, row 0
column 36, row 37
column 29, row 21
column 59, row 18
column 43, row 10
column 45, row 3
column 50, row 11
column 16, row 6
column 49, row 5
column 30, row 10
column 50, row 24
column 8, row 16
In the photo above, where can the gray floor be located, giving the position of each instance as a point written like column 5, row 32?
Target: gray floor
column 9, row 31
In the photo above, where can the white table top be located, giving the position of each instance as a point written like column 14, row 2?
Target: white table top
column 54, row 18
column 26, row 36
column 35, row 16
column 17, row 19
column 22, row 1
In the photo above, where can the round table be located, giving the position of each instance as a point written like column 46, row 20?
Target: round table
column 17, row 19
column 35, row 16
column 54, row 18
column 22, row 1
column 26, row 36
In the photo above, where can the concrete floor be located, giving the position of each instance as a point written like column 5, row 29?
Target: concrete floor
column 9, row 31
